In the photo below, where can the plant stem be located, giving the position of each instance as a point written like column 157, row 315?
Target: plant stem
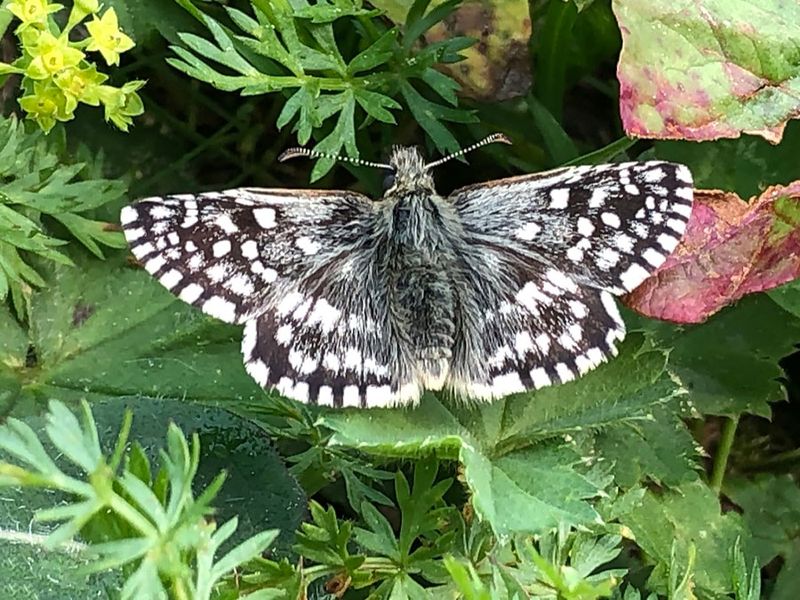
column 723, row 451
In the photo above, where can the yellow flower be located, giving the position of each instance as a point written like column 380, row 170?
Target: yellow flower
column 106, row 37
column 122, row 103
column 32, row 11
column 48, row 104
column 83, row 84
column 52, row 54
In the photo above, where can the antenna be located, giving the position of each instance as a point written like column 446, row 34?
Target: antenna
column 297, row 152
column 489, row 139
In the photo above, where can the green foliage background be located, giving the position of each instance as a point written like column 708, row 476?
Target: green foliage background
column 668, row 472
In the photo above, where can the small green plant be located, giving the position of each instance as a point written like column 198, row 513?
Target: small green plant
column 153, row 527
column 57, row 75
column 285, row 49
column 37, row 186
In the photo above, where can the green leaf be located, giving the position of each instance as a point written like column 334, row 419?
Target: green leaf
column 30, row 568
column 771, row 508
column 730, row 363
column 659, row 449
column 710, row 70
column 688, row 516
column 517, row 483
column 376, row 105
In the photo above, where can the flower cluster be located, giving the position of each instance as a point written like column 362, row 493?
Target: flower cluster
column 56, row 72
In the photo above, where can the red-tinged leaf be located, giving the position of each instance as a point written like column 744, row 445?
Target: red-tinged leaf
column 708, row 69
column 731, row 248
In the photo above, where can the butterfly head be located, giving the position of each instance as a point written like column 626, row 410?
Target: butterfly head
column 408, row 172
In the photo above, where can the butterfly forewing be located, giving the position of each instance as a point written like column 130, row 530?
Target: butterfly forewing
column 232, row 253
column 608, row 226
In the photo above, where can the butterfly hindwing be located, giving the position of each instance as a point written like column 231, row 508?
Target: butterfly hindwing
column 540, row 327
column 608, row 226
column 325, row 343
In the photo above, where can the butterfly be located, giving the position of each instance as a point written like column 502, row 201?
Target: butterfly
column 500, row 287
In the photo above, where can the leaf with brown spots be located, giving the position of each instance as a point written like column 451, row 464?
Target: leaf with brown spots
column 709, row 69
column 497, row 67
column 731, row 248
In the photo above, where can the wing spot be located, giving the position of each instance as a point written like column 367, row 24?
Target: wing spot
column 667, row 242
column 654, row 175
column 221, row 248
column 575, row 254
column 160, row 212
column 250, row 249
column 559, row 198
column 351, row 397
column 598, row 198
column 307, row 245
column 564, row 373
column 258, row 371
column 154, row 264
column 133, row 234
column 379, row 395
column 220, row 308
column 624, row 243
column 191, row 293
column 654, row 258
column 633, row 276
column 528, row 232
column 128, row 215
column 171, row 278
column 611, row 219
column 325, row 396
column 676, row 225
column 540, row 378
column 685, row 210
column 265, row 217
column 225, row 223
column 543, row 342
column 585, row 227
column 509, row 383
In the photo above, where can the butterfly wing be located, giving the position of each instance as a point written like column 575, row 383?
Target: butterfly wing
column 556, row 247
column 290, row 265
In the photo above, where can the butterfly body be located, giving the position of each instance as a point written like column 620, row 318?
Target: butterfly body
column 495, row 289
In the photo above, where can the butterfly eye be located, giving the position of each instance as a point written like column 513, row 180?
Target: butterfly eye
column 388, row 181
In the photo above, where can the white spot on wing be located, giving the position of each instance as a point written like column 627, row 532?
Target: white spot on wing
column 127, row 215
column 265, row 217
column 221, row 248
column 633, row 276
column 351, row 397
column 559, row 198
column 220, row 308
column 540, row 378
column 307, row 245
column 191, row 293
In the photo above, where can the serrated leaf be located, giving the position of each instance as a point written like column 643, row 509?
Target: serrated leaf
column 690, row 515
column 731, row 248
column 695, row 70
column 499, row 443
column 730, row 363
column 659, row 449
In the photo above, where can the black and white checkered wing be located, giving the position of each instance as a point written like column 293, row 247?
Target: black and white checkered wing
column 564, row 243
column 233, row 253
column 291, row 266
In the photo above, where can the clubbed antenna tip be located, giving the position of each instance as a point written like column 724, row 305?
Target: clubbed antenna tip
column 489, row 139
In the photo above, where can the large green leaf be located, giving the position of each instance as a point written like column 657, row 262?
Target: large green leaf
column 730, row 363
column 771, row 509
column 705, row 70
column 659, row 449
column 34, row 572
column 688, row 516
column 109, row 333
column 521, row 462
column 109, row 330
